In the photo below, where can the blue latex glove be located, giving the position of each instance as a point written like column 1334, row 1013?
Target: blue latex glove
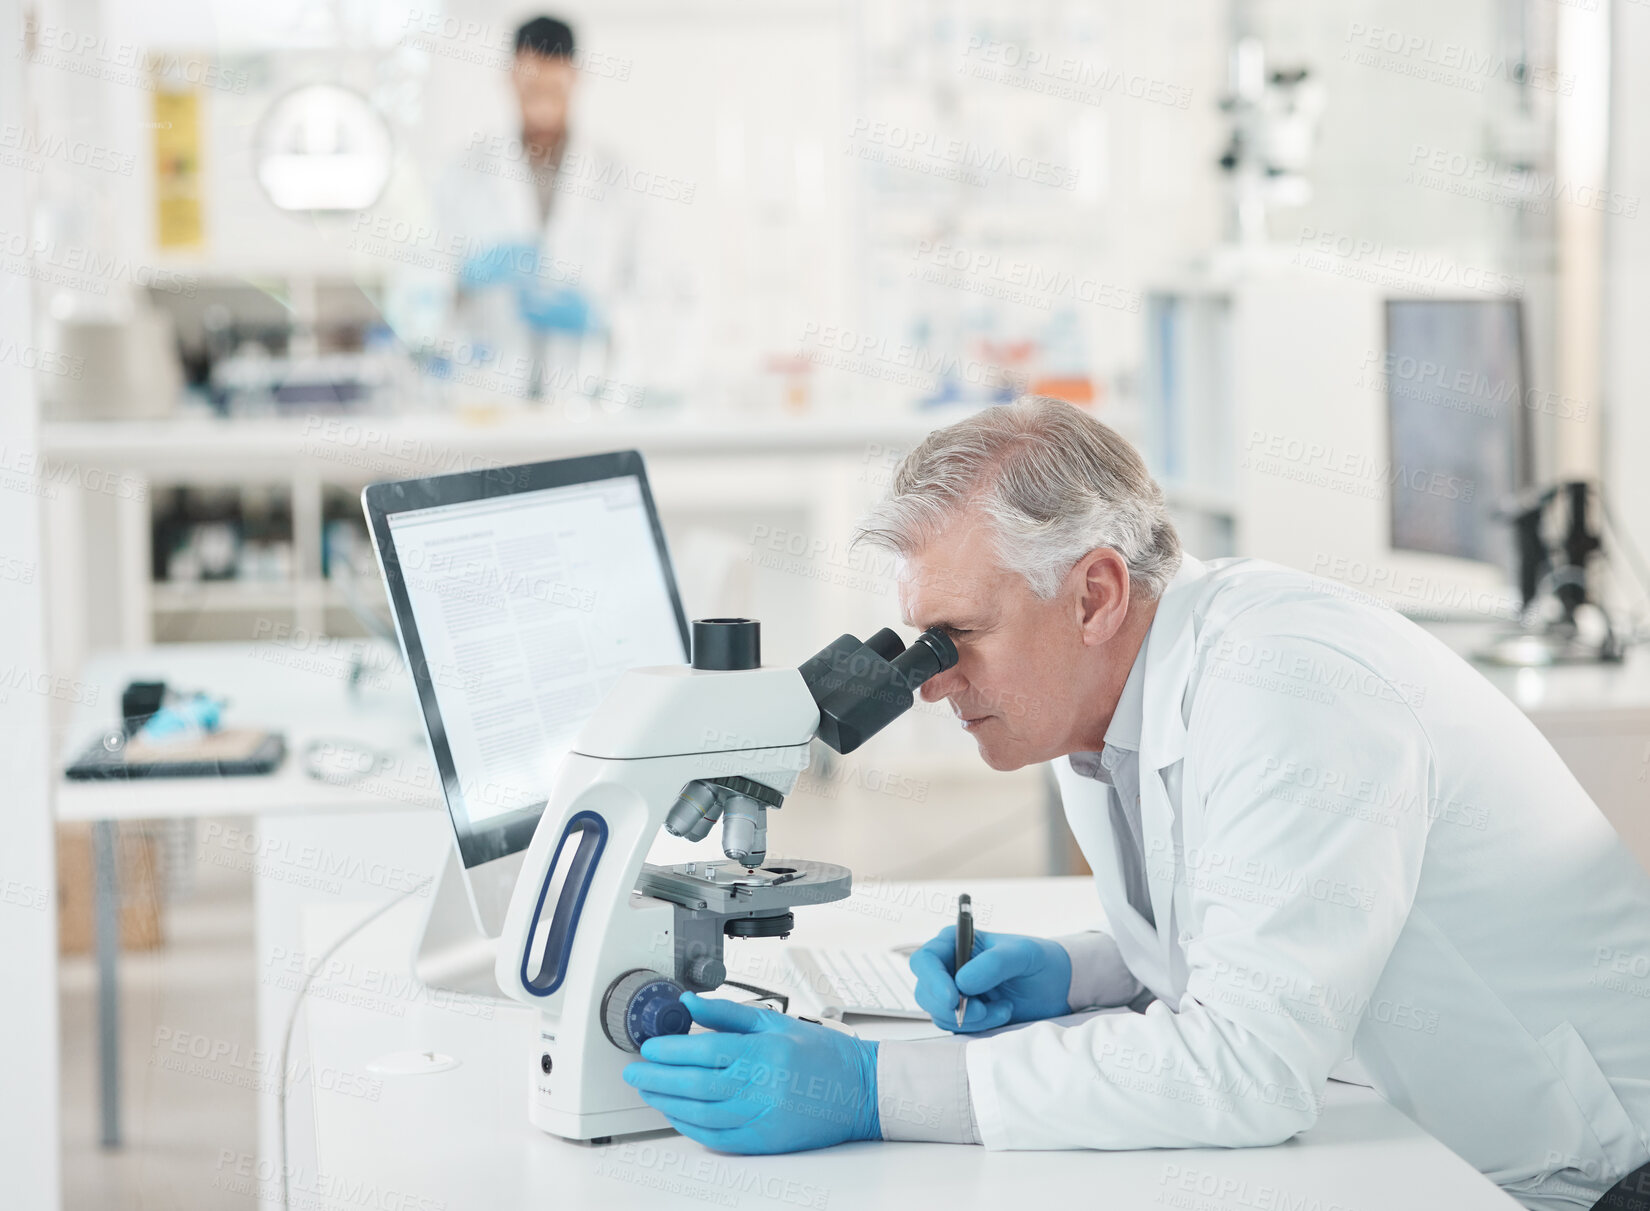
column 1011, row 978
column 760, row 1082
column 499, row 263
column 549, row 308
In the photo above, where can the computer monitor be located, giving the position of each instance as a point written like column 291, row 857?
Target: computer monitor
column 520, row 594
column 1458, row 424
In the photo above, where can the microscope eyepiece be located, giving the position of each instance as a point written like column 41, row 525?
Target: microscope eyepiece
column 930, row 653
column 727, row 644
column 886, row 643
column 860, row 688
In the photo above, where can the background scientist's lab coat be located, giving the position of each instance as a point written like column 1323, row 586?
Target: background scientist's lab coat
column 604, row 240
column 1357, row 850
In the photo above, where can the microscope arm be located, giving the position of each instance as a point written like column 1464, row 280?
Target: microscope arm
column 658, row 730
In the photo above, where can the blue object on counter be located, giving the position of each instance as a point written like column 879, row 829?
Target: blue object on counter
column 185, row 717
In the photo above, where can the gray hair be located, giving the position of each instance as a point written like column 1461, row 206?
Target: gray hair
column 1053, row 483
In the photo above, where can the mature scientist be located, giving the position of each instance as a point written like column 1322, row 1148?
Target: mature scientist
column 1324, row 845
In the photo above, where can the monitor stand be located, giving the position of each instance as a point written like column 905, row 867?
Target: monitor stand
column 455, row 953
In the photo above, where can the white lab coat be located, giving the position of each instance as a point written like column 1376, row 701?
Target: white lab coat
column 603, row 237
column 1357, row 850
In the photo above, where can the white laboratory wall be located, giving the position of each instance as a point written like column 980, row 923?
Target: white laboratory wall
column 28, row 892
column 1452, row 98
column 946, row 264
column 1383, row 108
column 1627, row 288
column 1289, row 395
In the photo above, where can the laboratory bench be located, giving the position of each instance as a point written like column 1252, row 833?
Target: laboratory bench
column 459, row 1137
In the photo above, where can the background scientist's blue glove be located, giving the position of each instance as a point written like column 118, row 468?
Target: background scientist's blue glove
column 760, row 1082
column 548, row 308
column 1011, row 978
column 499, row 263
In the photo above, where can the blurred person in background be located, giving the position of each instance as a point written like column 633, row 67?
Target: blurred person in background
column 560, row 289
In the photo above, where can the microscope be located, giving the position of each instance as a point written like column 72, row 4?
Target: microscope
column 604, row 943
column 1553, row 583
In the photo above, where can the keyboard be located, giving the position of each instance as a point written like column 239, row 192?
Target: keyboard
column 845, row 981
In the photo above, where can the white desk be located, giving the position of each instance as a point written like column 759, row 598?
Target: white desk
column 460, row 1138
column 304, row 693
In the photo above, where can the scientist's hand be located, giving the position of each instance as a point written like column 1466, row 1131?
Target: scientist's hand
column 760, row 1082
column 549, row 308
column 499, row 263
column 1011, row 978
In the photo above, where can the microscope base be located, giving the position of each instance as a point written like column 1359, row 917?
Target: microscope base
column 624, row 1114
column 596, row 1128
column 1543, row 649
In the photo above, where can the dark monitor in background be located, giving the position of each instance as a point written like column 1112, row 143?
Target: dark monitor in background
column 1460, row 433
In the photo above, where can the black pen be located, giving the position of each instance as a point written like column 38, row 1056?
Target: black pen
column 965, row 947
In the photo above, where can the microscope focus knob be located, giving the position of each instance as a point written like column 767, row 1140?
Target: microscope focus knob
column 640, row 1005
column 707, row 972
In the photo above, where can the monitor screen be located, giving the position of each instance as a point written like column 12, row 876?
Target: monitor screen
column 518, row 612
column 1456, row 408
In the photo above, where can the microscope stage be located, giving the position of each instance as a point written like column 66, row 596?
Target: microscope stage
column 732, row 887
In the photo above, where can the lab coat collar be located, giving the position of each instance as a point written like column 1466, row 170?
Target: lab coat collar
column 1170, row 646
column 1164, row 666
column 1124, row 729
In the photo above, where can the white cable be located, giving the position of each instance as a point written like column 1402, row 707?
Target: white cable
column 292, row 1020
column 340, row 761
